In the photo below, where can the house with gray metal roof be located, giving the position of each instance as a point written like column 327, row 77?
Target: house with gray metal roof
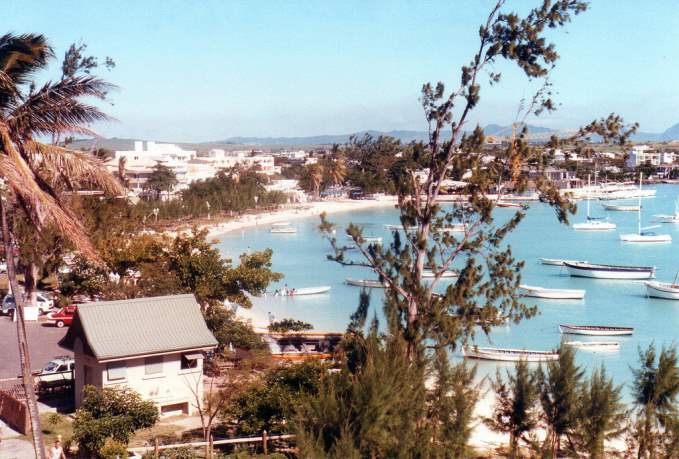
column 152, row 345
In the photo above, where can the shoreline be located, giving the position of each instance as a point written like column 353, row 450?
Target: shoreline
column 313, row 209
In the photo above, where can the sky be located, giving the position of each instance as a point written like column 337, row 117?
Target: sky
column 209, row 70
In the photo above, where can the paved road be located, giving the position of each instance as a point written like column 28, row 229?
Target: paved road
column 42, row 343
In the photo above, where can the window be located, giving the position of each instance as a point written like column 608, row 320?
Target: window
column 116, row 370
column 62, row 367
column 190, row 361
column 153, row 365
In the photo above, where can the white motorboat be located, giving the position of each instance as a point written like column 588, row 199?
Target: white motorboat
column 284, row 230
column 601, row 271
column 369, row 239
column 593, row 223
column 450, row 273
column 643, row 235
column 666, row 290
column 620, row 208
column 367, row 283
column 595, row 330
column 303, row 291
column 551, row 293
column 595, row 346
column 557, row 261
column 508, row 355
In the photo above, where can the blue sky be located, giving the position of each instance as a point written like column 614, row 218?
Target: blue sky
column 213, row 69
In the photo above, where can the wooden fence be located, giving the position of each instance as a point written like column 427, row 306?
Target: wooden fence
column 263, row 439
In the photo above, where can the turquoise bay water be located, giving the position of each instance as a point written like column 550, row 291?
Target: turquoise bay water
column 302, row 258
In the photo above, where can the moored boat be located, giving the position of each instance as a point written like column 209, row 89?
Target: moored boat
column 621, row 208
column 508, row 355
column 558, row 261
column 601, row 271
column 643, row 235
column 593, row 223
column 281, row 224
column 284, row 230
column 454, row 228
column 595, row 346
column 666, row 290
column 450, row 273
column 517, row 205
column 365, row 283
column 595, row 330
column 303, row 291
column 551, row 293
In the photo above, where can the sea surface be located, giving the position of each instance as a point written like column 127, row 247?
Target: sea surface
column 301, row 257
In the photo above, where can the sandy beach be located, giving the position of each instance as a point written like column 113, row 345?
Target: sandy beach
column 311, row 209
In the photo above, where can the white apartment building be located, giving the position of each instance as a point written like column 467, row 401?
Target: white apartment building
column 643, row 154
column 220, row 159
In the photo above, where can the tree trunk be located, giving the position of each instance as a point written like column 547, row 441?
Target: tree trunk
column 31, row 275
column 31, row 402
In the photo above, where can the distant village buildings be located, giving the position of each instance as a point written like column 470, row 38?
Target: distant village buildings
column 644, row 154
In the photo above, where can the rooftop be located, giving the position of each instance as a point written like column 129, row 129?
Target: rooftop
column 112, row 330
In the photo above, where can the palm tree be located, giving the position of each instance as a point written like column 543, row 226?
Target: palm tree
column 338, row 170
column 34, row 173
column 312, row 178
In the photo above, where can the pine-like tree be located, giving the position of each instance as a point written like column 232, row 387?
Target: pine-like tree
column 655, row 389
column 516, row 410
column 559, row 392
column 601, row 415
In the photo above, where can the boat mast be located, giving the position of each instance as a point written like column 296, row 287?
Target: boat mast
column 639, row 211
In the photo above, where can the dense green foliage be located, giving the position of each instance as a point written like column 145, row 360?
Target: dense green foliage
column 272, row 402
column 287, row 325
column 110, row 414
column 161, row 180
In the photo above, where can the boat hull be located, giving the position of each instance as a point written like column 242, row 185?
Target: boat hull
column 595, row 346
column 609, row 271
column 308, row 291
column 364, row 283
column 595, row 331
column 591, row 226
column 552, row 293
column 556, row 261
column 662, row 290
column 509, row 355
column 643, row 238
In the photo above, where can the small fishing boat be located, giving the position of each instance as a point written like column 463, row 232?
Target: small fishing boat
column 367, row 283
column 508, row 355
column 517, row 205
column 302, row 291
column 284, row 230
column 595, row 346
column 663, row 218
column 600, row 271
column 621, row 208
column 454, row 228
column 400, row 228
column 643, row 235
column 666, row 290
column 558, row 261
column 551, row 293
column 595, row 330
column 450, row 273
column 593, row 223
column 369, row 239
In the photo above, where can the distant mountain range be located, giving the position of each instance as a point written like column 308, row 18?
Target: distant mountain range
column 535, row 132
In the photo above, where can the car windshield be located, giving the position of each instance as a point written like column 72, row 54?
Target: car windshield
column 51, row 366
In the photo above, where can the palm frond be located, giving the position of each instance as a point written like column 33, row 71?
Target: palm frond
column 73, row 166
column 40, row 203
column 55, row 107
column 20, row 57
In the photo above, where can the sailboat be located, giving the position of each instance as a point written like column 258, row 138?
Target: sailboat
column 593, row 223
column 666, row 290
column 662, row 218
column 643, row 235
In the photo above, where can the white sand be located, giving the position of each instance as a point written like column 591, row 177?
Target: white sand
column 312, row 209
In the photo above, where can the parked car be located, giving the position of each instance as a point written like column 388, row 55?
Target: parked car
column 45, row 304
column 63, row 316
column 56, row 374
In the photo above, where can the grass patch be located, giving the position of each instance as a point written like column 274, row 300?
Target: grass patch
column 54, row 425
column 166, row 434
